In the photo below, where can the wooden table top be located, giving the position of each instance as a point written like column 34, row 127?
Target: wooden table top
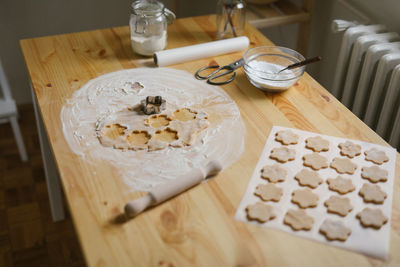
column 198, row 226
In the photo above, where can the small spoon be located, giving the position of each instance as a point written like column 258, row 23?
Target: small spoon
column 301, row 63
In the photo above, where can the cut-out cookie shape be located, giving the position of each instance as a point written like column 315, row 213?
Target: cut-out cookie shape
column 304, row 198
column 298, row 220
column 376, row 156
column 374, row 174
column 338, row 205
column 273, row 173
column 286, row 137
column 184, row 114
column 308, row 178
column 343, row 165
column 349, row 149
column 283, row 154
column 341, row 185
column 138, row 138
column 260, row 212
column 372, row 193
column 168, row 135
column 372, row 218
column 317, row 144
column 315, row 161
column 269, row 192
column 113, row 131
column 334, row 230
column 157, row 121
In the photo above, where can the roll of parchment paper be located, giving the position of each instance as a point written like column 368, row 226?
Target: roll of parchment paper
column 194, row 52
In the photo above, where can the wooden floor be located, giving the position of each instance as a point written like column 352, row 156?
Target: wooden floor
column 28, row 237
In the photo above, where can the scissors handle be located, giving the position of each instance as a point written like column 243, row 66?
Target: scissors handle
column 219, row 72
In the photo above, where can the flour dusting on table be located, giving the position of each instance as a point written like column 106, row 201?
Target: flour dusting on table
column 108, row 96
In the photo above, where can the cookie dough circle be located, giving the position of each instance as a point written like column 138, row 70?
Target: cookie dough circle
column 116, row 96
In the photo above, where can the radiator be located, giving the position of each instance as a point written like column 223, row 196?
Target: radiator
column 367, row 78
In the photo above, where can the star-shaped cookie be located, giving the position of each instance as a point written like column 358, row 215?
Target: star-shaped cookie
column 260, row 212
column 286, row 137
column 317, row 144
column 308, row 178
column 341, row 185
column 376, row 156
column 283, row 154
column 372, row 218
column 372, row 193
column 269, row 192
column 374, row 174
column 349, row 149
column 338, row 205
column 334, row 230
column 273, row 173
column 343, row 165
column 304, row 198
column 315, row 161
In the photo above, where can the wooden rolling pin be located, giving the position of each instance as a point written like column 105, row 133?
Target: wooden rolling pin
column 161, row 193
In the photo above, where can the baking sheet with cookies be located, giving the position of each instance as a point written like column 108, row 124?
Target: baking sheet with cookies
column 285, row 194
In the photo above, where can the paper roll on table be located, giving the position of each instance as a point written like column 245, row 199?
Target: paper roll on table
column 194, row 52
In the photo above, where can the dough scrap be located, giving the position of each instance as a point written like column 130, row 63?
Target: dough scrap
column 338, row 205
column 349, row 149
column 298, row 220
column 374, row 174
column 283, row 154
column 115, row 130
column 317, row 144
column 376, row 156
column 184, row 114
column 334, row 230
column 343, row 165
column 286, row 137
column 167, row 135
column 260, row 212
column 269, row 192
column 341, row 185
column 372, row 193
column 304, row 198
column 157, row 121
column 315, row 161
column 273, row 173
column 372, row 218
column 308, row 178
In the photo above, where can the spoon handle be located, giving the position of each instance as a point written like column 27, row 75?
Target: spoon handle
column 301, row 63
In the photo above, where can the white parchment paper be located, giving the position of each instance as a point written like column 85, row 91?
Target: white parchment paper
column 368, row 241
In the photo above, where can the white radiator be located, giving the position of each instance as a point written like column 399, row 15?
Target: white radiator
column 367, row 78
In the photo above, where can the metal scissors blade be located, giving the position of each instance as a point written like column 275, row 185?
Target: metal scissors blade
column 219, row 72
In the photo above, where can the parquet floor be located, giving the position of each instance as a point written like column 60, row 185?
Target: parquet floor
column 28, row 236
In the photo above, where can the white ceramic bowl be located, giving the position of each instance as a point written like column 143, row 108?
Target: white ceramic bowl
column 262, row 64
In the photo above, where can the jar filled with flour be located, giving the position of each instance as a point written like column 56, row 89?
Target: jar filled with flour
column 148, row 25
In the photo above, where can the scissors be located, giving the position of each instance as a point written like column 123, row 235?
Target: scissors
column 219, row 72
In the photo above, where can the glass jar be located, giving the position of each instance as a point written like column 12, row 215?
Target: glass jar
column 231, row 18
column 148, row 26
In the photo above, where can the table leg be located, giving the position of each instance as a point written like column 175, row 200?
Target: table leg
column 50, row 168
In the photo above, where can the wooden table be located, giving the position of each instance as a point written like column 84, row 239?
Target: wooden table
column 197, row 227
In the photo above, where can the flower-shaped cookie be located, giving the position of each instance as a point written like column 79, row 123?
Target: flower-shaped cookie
column 268, row 192
column 308, row 178
column 260, row 212
column 338, row 205
column 286, row 137
column 349, row 149
column 343, row 165
column 283, row 154
column 372, row 193
column 315, row 161
column 273, row 173
column 334, row 230
column 372, row 218
column 317, row 144
column 341, row 185
column 374, row 174
column 376, row 156
column 298, row 220
column 304, row 198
